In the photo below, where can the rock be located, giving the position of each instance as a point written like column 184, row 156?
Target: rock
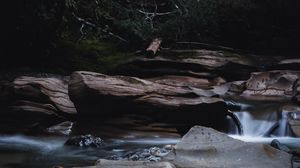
column 276, row 144
column 45, row 90
column 36, row 102
column 186, row 81
column 84, row 141
column 194, row 63
column 63, row 128
column 151, row 154
column 102, row 163
column 272, row 84
column 32, row 109
column 206, row 147
column 101, row 95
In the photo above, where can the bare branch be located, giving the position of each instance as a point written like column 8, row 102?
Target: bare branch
column 156, row 14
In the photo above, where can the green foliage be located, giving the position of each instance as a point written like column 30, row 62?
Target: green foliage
column 88, row 55
column 42, row 29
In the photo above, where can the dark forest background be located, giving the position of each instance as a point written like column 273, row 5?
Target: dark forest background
column 61, row 36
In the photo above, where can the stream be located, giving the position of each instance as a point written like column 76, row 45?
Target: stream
column 262, row 121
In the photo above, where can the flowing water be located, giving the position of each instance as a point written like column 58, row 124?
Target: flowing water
column 261, row 122
column 263, row 118
column 18, row 151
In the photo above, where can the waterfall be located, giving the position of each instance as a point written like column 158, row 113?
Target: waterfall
column 256, row 126
column 283, row 124
column 260, row 119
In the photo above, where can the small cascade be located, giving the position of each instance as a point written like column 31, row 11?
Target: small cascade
column 256, row 126
column 263, row 119
column 283, row 125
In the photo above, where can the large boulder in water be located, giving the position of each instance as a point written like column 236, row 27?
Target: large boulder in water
column 102, row 95
column 206, row 147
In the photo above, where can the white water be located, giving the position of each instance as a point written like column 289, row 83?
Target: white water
column 263, row 118
column 29, row 143
column 253, row 126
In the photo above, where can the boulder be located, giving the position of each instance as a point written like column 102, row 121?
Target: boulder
column 44, row 90
column 33, row 103
column 102, row 163
column 102, row 95
column 206, row 147
column 272, row 84
column 187, row 81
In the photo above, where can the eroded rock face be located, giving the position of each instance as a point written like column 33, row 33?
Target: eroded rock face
column 186, row 81
column 44, row 90
column 101, row 95
column 194, row 63
column 205, row 147
column 84, row 141
column 36, row 102
column 280, row 84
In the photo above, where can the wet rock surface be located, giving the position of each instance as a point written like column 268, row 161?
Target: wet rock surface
column 205, row 147
column 84, row 141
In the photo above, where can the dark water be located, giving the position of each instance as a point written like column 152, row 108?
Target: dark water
column 20, row 151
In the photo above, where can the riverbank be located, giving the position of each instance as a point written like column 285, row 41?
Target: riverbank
column 153, row 99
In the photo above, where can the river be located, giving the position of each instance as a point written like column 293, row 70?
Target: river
column 258, row 119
